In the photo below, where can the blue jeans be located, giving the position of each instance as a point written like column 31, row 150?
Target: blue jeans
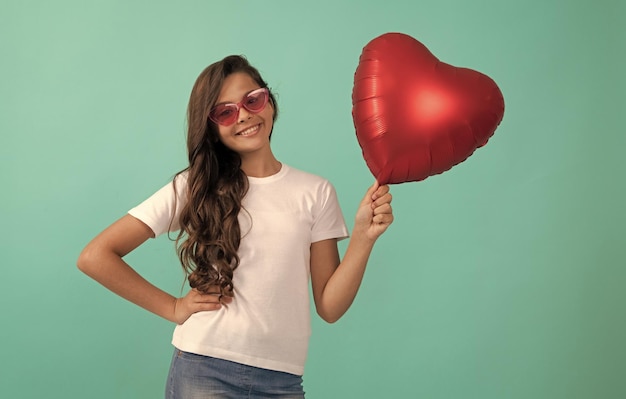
column 201, row 377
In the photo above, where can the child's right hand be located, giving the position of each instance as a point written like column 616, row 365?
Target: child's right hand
column 195, row 301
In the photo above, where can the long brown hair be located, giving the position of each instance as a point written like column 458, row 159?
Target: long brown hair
column 209, row 229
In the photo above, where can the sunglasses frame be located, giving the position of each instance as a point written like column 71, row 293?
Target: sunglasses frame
column 239, row 105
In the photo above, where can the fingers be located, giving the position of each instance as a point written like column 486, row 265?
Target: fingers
column 383, row 209
column 381, row 206
column 369, row 195
column 375, row 194
column 384, row 199
column 383, row 218
column 379, row 191
column 197, row 301
column 374, row 187
column 211, row 297
column 381, row 200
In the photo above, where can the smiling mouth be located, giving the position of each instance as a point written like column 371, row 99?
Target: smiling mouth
column 249, row 131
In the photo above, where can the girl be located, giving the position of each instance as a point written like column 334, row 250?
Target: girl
column 252, row 232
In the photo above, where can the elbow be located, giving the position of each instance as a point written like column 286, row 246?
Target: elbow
column 85, row 260
column 330, row 310
column 329, row 317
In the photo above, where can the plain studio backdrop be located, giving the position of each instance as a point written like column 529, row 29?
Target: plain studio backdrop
column 502, row 278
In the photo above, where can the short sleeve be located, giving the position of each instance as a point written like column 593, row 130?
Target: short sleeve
column 328, row 221
column 162, row 210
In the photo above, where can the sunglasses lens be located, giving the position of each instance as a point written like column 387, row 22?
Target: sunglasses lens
column 224, row 114
column 255, row 101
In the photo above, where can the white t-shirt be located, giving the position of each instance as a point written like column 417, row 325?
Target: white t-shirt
column 267, row 324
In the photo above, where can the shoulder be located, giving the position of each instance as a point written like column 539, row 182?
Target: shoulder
column 181, row 177
column 309, row 185
column 305, row 178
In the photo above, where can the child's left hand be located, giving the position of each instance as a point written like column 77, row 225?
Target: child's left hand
column 374, row 214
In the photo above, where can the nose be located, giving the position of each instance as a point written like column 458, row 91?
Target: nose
column 243, row 115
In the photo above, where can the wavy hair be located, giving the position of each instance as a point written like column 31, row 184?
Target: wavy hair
column 210, row 234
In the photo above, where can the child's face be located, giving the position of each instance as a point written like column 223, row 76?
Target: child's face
column 251, row 131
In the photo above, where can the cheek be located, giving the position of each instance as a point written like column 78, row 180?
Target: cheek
column 268, row 115
column 224, row 132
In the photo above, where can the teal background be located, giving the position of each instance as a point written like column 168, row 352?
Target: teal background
column 502, row 278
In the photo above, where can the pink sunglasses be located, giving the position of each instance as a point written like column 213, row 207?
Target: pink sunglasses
column 226, row 114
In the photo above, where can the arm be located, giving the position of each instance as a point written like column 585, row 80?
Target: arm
column 336, row 283
column 102, row 260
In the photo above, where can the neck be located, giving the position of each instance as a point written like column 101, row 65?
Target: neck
column 260, row 167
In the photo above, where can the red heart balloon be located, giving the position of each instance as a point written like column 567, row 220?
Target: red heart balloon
column 416, row 116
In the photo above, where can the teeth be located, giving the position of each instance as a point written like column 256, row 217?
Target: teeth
column 248, row 131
